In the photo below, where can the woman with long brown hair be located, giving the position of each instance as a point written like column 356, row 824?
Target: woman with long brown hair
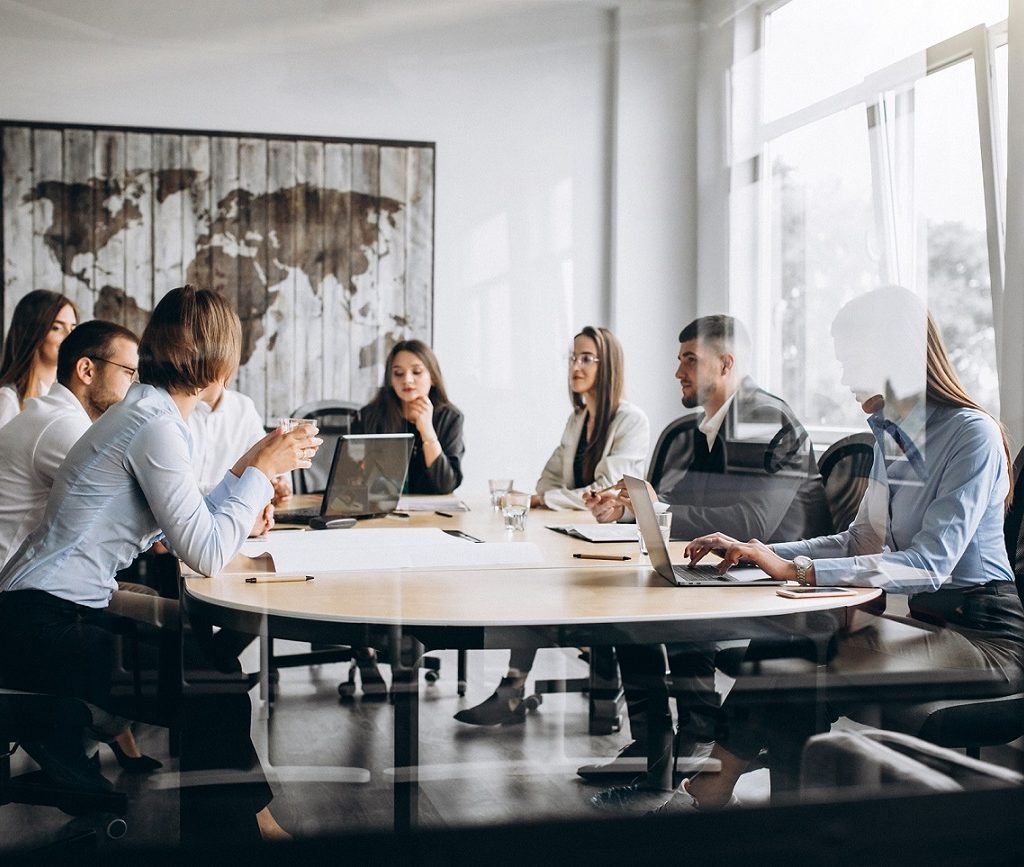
column 605, row 438
column 930, row 527
column 412, row 399
column 41, row 321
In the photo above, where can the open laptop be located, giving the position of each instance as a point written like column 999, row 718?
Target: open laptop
column 366, row 479
column 703, row 575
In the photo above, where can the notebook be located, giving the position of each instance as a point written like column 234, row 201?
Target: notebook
column 683, row 576
column 366, row 479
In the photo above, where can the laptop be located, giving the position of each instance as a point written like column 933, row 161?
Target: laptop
column 701, row 575
column 367, row 476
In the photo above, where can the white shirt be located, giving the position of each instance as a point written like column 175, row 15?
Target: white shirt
column 10, row 406
column 32, row 448
column 221, row 436
column 710, row 426
column 124, row 484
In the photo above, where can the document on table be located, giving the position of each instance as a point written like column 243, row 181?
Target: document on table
column 431, row 504
column 385, row 549
column 598, row 532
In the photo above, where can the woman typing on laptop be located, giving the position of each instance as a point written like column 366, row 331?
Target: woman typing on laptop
column 930, row 526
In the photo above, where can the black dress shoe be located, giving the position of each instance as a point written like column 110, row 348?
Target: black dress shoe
column 504, row 706
column 72, row 771
column 630, row 762
column 134, row 764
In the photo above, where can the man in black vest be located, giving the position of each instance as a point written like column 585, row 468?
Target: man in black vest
column 745, row 463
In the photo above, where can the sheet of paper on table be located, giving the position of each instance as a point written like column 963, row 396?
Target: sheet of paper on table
column 431, row 504
column 385, row 549
column 599, row 532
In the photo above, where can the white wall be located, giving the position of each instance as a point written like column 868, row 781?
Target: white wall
column 565, row 158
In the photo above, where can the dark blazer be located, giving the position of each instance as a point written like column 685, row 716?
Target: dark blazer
column 445, row 474
column 759, row 481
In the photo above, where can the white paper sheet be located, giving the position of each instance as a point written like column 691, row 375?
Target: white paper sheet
column 385, row 549
column 431, row 504
column 599, row 532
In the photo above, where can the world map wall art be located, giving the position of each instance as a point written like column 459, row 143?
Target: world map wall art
column 325, row 246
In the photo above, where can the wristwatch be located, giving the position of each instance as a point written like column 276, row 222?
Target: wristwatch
column 803, row 564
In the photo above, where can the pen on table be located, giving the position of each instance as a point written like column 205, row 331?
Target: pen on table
column 396, row 515
column 444, row 514
column 600, row 556
column 275, row 579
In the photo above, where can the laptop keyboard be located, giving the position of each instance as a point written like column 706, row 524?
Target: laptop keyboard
column 700, row 572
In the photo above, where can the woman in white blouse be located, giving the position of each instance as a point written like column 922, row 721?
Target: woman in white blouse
column 41, row 321
column 604, row 439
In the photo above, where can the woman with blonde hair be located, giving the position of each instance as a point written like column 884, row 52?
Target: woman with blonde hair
column 930, row 526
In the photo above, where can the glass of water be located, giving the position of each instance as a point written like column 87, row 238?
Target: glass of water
column 287, row 425
column 499, row 487
column 664, row 525
column 515, row 506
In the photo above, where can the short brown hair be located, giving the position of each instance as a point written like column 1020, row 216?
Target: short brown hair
column 93, row 339
column 193, row 338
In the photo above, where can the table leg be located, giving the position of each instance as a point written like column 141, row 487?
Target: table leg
column 405, row 692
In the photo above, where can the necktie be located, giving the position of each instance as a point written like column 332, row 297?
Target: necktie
column 880, row 426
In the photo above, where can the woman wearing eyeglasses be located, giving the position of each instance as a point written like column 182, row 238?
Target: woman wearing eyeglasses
column 604, row 439
column 41, row 321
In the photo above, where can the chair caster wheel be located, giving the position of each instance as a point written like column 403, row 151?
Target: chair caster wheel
column 116, row 828
column 431, row 676
column 532, row 702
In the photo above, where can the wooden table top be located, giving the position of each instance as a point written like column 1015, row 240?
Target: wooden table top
column 564, row 591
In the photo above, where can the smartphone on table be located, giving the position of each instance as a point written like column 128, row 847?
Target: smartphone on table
column 803, row 592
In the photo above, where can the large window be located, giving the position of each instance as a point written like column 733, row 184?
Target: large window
column 873, row 135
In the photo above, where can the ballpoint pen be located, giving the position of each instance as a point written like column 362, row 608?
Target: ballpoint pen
column 276, row 579
column 600, row 557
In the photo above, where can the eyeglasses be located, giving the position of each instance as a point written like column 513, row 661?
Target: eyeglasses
column 584, row 358
column 132, row 371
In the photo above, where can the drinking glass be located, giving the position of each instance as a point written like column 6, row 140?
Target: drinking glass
column 515, row 506
column 664, row 525
column 499, row 487
column 287, row 425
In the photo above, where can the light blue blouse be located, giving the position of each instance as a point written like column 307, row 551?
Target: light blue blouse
column 945, row 524
column 127, row 482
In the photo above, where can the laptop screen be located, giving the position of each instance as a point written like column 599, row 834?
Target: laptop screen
column 367, row 475
column 648, row 526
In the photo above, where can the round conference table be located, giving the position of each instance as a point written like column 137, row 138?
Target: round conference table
column 562, row 601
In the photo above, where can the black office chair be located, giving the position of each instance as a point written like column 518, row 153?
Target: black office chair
column 334, row 418
column 971, row 724
column 25, row 717
column 845, row 468
column 673, row 448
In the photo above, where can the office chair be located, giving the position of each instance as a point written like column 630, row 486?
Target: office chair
column 25, row 716
column 334, row 418
column 845, row 467
column 971, row 724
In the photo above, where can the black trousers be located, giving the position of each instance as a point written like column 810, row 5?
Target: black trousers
column 52, row 645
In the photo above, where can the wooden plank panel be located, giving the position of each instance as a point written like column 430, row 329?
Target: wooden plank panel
column 78, row 219
column 17, row 180
column 366, row 345
column 223, row 236
column 309, row 253
column 419, row 265
column 169, row 185
column 253, row 234
column 110, row 217
column 280, row 319
column 195, row 212
column 391, row 247
column 138, row 239
column 47, row 168
column 337, row 314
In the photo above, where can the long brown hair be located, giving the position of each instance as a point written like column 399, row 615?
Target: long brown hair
column 944, row 386
column 33, row 317
column 383, row 414
column 608, row 387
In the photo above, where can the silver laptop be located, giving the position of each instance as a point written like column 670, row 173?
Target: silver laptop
column 367, row 476
column 704, row 575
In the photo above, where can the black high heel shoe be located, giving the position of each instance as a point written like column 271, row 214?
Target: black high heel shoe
column 505, row 706
column 134, row 764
